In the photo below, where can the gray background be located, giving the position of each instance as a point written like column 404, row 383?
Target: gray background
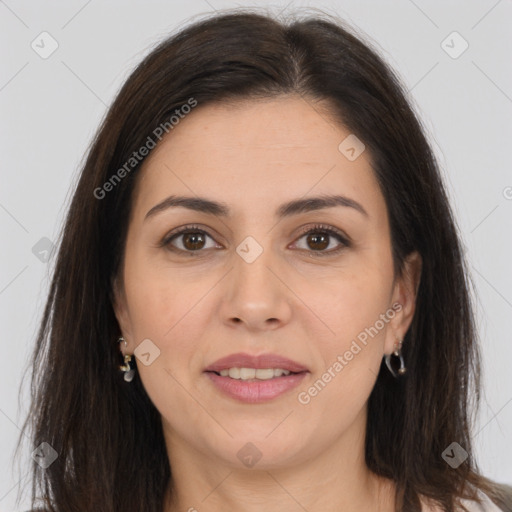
column 50, row 109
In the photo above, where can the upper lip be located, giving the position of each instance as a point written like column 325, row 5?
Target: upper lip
column 242, row 360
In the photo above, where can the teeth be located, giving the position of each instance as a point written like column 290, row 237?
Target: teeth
column 244, row 373
column 252, row 373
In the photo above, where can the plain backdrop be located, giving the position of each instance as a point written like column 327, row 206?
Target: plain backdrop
column 51, row 107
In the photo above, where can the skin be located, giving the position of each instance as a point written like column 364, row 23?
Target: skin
column 254, row 156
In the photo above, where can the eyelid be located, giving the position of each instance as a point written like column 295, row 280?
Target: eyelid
column 324, row 228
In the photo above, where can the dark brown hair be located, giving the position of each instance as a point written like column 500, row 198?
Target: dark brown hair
column 95, row 421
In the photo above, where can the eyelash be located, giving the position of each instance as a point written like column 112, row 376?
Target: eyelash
column 317, row 228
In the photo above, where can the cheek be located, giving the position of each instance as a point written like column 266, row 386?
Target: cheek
column 159, row 295
column 353, row 299
column 168, row 312
column 167, row 306
column 355, row 306
column 351, row 355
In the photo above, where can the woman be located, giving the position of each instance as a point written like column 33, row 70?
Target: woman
column 260, row 300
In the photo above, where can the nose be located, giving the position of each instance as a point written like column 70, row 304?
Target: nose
column 256, row 295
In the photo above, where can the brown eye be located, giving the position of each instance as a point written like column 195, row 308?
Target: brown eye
column 318, row 241
column 189, row 240
column 193, row 241
column 319, row 238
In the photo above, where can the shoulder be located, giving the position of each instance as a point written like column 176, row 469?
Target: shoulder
column 503, row 497
column 487, row 505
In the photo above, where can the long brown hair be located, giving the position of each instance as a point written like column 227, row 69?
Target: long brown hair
column 107, row 434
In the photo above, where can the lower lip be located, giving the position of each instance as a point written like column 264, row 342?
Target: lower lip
column 257, row 391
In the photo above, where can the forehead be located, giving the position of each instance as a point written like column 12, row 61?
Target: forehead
column 288, row 127
column 256, row 150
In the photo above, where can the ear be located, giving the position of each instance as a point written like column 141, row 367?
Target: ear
column 120, row 307
column 404, row 296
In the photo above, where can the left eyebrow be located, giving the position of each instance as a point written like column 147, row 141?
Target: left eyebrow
column 219, row 209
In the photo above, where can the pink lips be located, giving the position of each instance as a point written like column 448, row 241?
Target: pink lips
column 242, row 360
column 254, row 390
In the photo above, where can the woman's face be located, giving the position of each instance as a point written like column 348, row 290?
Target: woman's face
column 251, row 280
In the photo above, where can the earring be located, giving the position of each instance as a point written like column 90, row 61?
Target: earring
column 398, row 353
column 129, row 364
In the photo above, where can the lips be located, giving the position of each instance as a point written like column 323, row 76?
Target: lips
column 254, row 391
column 242, row 360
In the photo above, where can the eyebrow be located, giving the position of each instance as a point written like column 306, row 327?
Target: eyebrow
column 219, row 209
